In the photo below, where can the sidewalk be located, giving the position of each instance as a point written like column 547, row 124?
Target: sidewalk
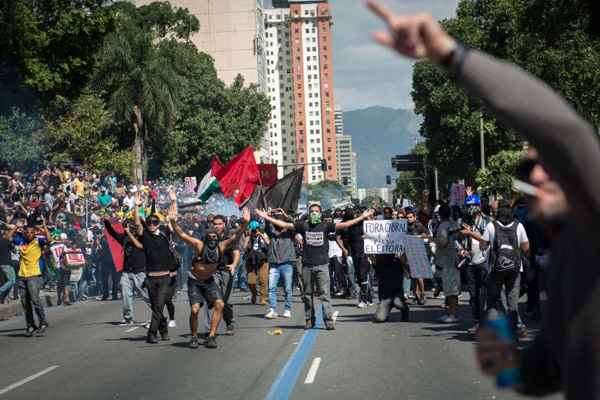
column 13, row 309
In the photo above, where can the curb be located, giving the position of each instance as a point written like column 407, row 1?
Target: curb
column 14, row 309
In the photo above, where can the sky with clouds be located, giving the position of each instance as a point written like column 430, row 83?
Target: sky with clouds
column 367, row 74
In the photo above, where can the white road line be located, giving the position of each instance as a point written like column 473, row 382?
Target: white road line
column 131, row 329
column 312, row 371
column 27, row 380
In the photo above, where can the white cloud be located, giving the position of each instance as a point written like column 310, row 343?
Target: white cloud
column 367, row 74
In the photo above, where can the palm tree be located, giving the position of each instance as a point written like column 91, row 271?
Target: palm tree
column 141, row 87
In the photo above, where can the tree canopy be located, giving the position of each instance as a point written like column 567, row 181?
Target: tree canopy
column 556, row 40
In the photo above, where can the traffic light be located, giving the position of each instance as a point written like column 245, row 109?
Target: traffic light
column 388, row 179
column 323, row 164
column 407, row 162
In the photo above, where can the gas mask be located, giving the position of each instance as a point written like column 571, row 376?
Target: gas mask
column 212, row 243
column 315, row 218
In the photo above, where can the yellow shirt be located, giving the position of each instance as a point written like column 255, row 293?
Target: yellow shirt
column 79, row 187
column 29, row 262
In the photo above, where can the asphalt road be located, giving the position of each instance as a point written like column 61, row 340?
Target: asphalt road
column 86, row 356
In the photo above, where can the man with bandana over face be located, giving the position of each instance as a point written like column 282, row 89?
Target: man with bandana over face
column 202, row 286
column 315, row 258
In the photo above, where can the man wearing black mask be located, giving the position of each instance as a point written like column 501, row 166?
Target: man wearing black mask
column 202, row 284
column 315, row 258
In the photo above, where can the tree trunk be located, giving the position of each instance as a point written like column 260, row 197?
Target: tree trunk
column 140, row 168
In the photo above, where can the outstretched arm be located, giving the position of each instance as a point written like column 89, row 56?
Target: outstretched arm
column 238, row 233
column 568, row 145
column 345, row 225
column 277, row 222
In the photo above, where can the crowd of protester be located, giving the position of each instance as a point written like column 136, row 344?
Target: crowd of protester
column 72, row 217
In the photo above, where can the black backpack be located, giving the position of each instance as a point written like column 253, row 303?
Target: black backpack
column 506, row 254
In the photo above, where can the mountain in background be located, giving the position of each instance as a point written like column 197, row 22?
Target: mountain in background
column 378, row 134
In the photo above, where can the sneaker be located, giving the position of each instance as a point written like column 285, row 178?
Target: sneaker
column 211, row 342
column 194, row 343
column 165, row 336
column 126, row 322
column 172, row 323
column 448, row 319
column 473, row 330
column 202, row 338
column 329, row 325
column 152, row 339
column 29, row 331
column 362, row 304
column 271, row 314
column 230, row 331
column 334, row 316
column 370, row 304
column 287, row 314
column 41, row 330
column 436, row 292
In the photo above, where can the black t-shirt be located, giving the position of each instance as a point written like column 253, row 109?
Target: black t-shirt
column 354, row 238
column 316, row 242
column 416, row 229
column 158, row 252
column 5, row 245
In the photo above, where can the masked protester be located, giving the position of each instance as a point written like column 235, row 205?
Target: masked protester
column 315, row 259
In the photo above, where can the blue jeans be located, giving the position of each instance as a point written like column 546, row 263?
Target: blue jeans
column 287, row 271
column 10, row 281
column 130, row 283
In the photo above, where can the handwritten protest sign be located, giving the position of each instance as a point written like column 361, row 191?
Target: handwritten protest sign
column 384, row 237
column 390, row 237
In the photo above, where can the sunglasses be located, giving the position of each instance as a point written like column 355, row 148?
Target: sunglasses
column 153, row 222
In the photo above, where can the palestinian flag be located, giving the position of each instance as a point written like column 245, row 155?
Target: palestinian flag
column 236, row 179
column 209, row 185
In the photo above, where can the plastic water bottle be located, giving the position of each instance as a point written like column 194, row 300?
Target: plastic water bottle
column 509, row 375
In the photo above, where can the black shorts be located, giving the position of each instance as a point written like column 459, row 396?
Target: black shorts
column 201, row 291
column 64, row 277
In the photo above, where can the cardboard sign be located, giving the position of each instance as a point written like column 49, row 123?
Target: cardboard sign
column 390, row 237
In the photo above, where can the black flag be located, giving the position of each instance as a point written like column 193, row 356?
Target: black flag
column 285, row 193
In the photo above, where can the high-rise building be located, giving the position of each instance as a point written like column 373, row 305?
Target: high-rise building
column 232, row 32
column 339, row 120
column 299, row 76
column 346, row 163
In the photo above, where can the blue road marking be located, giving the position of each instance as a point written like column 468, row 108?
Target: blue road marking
column 286, row 380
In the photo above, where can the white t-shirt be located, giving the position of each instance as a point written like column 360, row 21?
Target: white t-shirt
column 490, row 233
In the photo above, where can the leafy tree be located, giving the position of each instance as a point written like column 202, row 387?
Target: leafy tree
column 496, row 178
column 82, row 135
column 214, row 120
column 20, row 146
column 556, row 40
column 140, row 82
column 49, row 45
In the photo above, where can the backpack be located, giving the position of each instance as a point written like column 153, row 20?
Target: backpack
column 506, row 254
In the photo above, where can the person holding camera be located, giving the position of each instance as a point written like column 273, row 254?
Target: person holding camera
column 475, row 262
